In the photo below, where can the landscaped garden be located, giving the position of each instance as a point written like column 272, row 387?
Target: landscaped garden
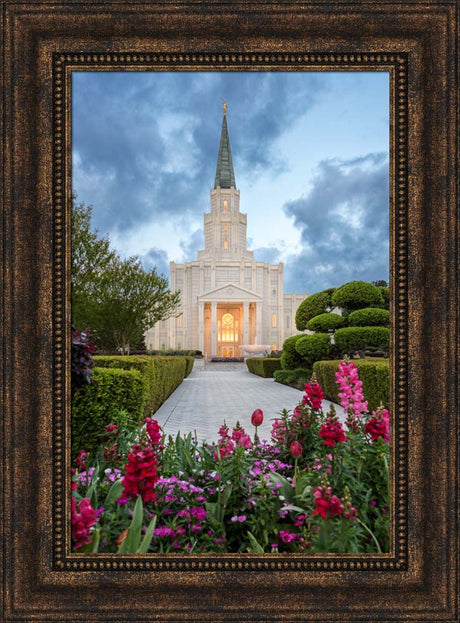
column 315, row 486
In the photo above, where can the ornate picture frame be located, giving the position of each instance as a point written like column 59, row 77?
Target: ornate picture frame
column 42, row 44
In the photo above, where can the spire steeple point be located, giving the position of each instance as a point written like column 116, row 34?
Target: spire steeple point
column 225, row 176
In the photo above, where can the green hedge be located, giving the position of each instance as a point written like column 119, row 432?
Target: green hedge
column 263, row 366
column 161, row 375
column 94, row 406
column 325, row 322
column 295, row 378
column 369, row 317
column 350, row 339
column 314, row 347
column 375, row 375
column 189, row 362
column 290, row 358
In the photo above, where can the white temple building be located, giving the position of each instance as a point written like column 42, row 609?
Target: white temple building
column 227, row 298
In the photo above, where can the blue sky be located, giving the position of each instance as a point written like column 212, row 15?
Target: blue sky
column 310, row 153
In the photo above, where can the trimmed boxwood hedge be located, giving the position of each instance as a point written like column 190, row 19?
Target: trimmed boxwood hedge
column 290, row 358
column 161, row 375
column 375, row 375
column 294, row 378
column 314, row 348
column 369, row 317
column 325, row 322
column 189, row 363
column 263, row 366
column 94, row 406
column 350, row 339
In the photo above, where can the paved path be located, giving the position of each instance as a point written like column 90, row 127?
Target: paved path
column 213, row 393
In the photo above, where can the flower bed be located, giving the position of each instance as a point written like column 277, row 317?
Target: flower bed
column 227, row 359
column 316, row 486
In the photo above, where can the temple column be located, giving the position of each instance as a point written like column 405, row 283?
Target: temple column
column 259, row 336
column 213, row 329
column 246, row 323
column 201, row 325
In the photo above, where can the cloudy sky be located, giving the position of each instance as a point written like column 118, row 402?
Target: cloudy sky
column 310, row 153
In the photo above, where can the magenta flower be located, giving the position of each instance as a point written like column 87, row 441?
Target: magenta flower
column 351, row 393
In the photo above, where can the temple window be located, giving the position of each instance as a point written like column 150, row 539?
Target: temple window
column 225, row 205
column 179, row 320
column 273, row 320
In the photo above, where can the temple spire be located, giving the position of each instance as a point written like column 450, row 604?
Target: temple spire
column 225, row 176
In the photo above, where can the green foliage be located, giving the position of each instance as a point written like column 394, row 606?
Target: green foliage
column 117, row 299
column 294, row 378
column 95, row 406
column 375, row 375
column 172, row 352
column 385, row 291
column 263, row 366
column 312, row 306
column 189, row 363
column 369, row 317
column 356, row 295
column 314, row 347
column 290, row 358
column 326, row 322
column 161, row 375
column 351, row 339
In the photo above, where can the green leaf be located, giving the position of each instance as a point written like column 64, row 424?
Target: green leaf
column 114, row 493
column 134, row 534
column 286, row 490
column 144, row 546
column 291, row 507
column 255, row 545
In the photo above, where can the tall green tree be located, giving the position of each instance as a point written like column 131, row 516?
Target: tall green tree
column 117, row 299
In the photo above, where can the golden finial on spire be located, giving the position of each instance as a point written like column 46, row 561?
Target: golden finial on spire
column 224, row 104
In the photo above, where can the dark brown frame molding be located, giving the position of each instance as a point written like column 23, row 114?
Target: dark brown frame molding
column 416, row 42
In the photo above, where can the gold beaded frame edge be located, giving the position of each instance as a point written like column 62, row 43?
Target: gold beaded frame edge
column 397, row 66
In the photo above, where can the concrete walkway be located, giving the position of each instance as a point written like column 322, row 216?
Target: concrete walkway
column 216, row 392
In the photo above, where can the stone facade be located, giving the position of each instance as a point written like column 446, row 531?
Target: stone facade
column 227, row 298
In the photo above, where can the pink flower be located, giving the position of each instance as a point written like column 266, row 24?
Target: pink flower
column 80, row 461
column 153, row 431
column 296, row 449
column 82, row 521
column 112, row 430
column 257, row 417
column 141, row 474
column 351, row 394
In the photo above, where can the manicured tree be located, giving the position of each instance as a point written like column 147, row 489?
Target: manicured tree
column 386, row 296
column 312, row 306
column 290, row 358
column 356, row 295
column 314, row 348
column 351, row 339
column 369, row 317
column 326, row 322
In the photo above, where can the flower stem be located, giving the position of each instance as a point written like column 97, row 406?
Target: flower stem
column 371, row 533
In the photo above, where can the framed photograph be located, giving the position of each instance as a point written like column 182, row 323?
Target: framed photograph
column 49, row 52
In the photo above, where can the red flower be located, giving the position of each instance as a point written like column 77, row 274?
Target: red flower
column 332, row 432
column 257, row 417
column 82, row 521
column 153, row 431
column 327, row 504
column 296, row 449
column 112, row 429
column 141, row 474
column 80, row 460
column 313, row 395
column 379, row 425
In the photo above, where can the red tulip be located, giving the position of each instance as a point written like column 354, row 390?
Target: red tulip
column 257, row 417
column 296, row 449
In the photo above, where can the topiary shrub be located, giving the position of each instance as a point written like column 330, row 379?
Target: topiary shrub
column 369, row 317
column 161, row 375
column 189, row 363
column 290, row 358
column 386, row 296
column 356, row 295
column 374, row 374
column 312, row 306
column 263, row 366
column 94, row 406
column 314, row 347
column 351, row 339
column 294, row 378
column 326, row 322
